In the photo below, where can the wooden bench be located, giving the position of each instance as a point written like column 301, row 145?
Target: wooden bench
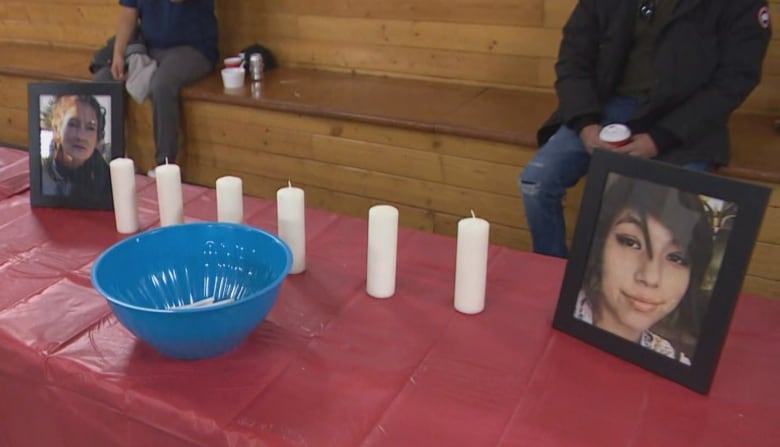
column 434, row 150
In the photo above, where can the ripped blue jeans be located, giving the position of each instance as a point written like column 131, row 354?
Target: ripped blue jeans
column 557, row 166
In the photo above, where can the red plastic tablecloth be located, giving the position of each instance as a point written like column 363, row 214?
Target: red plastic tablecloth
column 332, row 366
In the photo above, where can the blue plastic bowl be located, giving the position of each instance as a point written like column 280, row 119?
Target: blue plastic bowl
column 147, row 276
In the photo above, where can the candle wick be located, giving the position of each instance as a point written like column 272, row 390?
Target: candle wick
column 166, row 160
column 289, row 184
column 472, row 214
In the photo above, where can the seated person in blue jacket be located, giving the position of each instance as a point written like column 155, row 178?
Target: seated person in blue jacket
column 181, row 36
column 671, row 70
column 650, row 253
column 75, row 168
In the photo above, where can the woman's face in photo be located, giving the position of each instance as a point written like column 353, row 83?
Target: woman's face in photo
column 645, row 274
column 79, row 133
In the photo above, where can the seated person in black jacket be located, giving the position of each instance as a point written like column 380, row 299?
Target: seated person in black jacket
column 671, row 70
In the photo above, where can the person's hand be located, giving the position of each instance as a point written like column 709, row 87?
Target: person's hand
column 590, row 138
column 641, row 145
column 118, row 68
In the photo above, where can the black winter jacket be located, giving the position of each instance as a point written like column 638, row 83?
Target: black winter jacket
column 707, row 60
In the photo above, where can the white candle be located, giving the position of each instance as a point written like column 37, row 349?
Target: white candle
column 471, row 265
column 382, row 248
column 230, row 200
column 169, row 195
column 123, row 190
column 291, row 224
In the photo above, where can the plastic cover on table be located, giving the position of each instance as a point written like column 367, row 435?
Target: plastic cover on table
column 332, row 366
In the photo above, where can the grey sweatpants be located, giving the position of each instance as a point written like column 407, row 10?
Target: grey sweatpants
column 176, row 67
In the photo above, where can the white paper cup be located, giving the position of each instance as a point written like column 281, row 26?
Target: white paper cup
column 232, row 62
column 233, row 78
column 615, row 134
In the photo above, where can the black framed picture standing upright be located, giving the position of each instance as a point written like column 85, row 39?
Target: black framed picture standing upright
column 657, row 263
column 76, row 129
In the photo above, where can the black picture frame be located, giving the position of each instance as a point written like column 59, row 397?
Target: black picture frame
column 69, row 156
column 640, row 243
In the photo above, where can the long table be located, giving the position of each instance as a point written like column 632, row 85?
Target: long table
column 332, row 366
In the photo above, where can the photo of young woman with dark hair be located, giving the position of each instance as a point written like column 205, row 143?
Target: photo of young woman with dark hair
column 650, row 253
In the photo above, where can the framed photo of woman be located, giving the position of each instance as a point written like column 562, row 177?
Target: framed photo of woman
column 657, row 262
column 76, row 129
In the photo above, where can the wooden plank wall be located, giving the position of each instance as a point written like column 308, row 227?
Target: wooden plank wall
column 509, row 43
column 433, row 179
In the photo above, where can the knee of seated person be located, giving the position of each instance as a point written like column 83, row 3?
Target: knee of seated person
column 529, row 181
column 103, row 75
column 529, row 189
column 160, row 87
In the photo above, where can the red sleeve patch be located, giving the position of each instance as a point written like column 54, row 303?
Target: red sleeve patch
column 764, row 19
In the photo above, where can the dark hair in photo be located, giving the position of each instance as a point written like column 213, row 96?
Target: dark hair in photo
column 685, row 215
column 669, row 202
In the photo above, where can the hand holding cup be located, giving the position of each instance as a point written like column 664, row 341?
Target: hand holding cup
column 616, row 135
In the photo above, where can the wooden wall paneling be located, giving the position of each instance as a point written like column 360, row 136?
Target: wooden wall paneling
column 439, row 143
column 557, row 12
column 772, row 60
column 506, row 12
column 13, row 110
column 469, row 173
column 546, row 76
column 414, row 63
column 467, row 37
column 770, row 227
column 354, row 205
column 44, row 62
column 139, row 136
column 70, row 2
column 13, row 126
column 765, row 98
column 318, row 198
column 423, row 164
column 358, row 206
column 761, row 287
column 509, row 154
column 11, row 11
column 81, row 23
column 211, row 111
column 291, row 134
column 62, row 14
column 13, row 91
column 54, row 34
column 140, row 147
column 763, row 275
column 481, row 175
column 508, row 236
column 139, row 116
column 257, row 137
column 763, row 263
column 408, row 191
column 379, row 157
